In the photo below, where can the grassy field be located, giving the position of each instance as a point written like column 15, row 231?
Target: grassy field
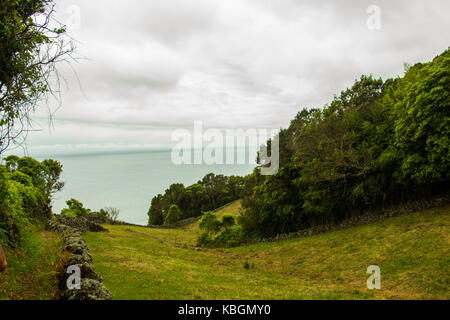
column 193, row 231
column 32, row 271
column 412, row 252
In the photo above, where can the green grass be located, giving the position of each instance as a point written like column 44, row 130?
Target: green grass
column 32, row 270
column 412, row 252
column 233, row 209
column 193, row 231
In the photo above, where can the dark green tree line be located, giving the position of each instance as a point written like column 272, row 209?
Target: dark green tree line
column 211, row 192
column 376, row 144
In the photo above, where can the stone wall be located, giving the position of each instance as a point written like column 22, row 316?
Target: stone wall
column 92, row 287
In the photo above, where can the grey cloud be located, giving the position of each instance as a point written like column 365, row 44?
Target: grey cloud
column 246, row 63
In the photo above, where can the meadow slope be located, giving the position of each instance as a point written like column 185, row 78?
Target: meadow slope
column 412, row 252
column 33, row 270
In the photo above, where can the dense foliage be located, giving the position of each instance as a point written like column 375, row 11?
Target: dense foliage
column 377, row 144
column 26, row 190
column 75, row 209
column 211, row 226
column 173, row 215
column 211, row 192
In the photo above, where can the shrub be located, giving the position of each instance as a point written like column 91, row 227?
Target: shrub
column 228, row 221
column 230, row 238
column 13, row 217
column 75, row 209
column 203, row 240
column 112, row 213
column 210, row 224
column 26, row 189
column 173, row 216
column 102, row 214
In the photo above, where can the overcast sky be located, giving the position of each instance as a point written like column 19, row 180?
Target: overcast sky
column 154, row 66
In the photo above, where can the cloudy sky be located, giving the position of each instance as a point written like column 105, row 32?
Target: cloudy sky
column 150, row 67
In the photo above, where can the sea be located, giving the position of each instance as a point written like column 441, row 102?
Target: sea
column 128, row 180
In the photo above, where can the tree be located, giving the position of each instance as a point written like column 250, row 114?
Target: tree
column 236, row 187
column 376, row 144
column 210, row 224
column 51, row 172
column 228, row 221
column 422, row 129
column 43, row 175
column 155, row 212
column 209, row 193
column 75, row 209
column 174, row 215
column 216, row 188
column 198, row 200
column 26, row 190
column 102, row 214
column 32, row 43
column 112, row 213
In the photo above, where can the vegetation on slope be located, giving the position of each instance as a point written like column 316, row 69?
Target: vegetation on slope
column 212, row 192
column 412, row 252
column 26, row 190
column 33, row 269
column 377, row 144
column 32, row 43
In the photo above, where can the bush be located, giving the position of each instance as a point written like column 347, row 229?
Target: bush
column 112, row 213
column 203, row 240
column 26, row 189
column 102, row 215
column 210, row 224
column 173, row 216
column 230, row 238
column 75, row 209
column 228, row 221
column 13, row 217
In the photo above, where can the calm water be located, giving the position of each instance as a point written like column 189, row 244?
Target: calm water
column 128, row 181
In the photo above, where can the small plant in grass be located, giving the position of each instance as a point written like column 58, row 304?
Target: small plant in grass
column 248, row 265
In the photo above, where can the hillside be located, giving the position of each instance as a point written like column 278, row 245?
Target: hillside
column 412, row 252
column 33, row 269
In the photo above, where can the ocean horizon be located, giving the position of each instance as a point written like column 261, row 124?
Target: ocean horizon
column 127, row 180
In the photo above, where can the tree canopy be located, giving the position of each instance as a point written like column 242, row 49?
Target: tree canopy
column 174, row 215
column 376, row 144
column 207, row 194
column 26, row 190
column 31, row 44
